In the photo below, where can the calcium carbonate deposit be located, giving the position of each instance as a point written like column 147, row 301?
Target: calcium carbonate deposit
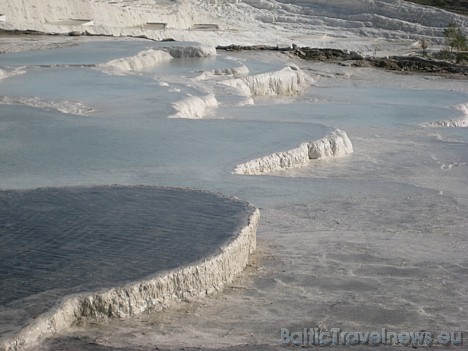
column 288, row 81
column 372, row 241
column 120, row 251
column 194, row 106
column 152, row 57
column 334, row 145
column 321, row 23
column 461, row 121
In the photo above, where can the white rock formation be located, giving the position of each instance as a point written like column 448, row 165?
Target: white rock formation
column 201, row 278
column 141, row 61
column 321, row 23
column 153, row 57
column 194, row 107
column 288, row 81
column 65, row 106
column 333, row 145
column 47, row 15
column 281, row 160
column 461, row 121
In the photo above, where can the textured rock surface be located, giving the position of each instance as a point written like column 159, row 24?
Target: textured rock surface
column 104, row 14
column 142, row 60
column 333, row 145
column 240, row 22
column 461, row 121
column 194, row 106
column 153, row 57
column 457, row 122
column 288, row 81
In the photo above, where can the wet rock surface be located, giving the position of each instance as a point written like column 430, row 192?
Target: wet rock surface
column 392, row 63
column 352, row 58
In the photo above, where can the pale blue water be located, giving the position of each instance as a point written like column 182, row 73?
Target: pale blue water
column 130, row 140
column 48, row 144
column 192, row 66
column 357, row 114
column 89, row 53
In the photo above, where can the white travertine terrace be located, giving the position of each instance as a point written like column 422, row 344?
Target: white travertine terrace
column 152, row 57
column 460, row 122
column 207, row 276
column 333, row 145
column 323, row 23
column 142, row 60
column 287, row 81
column 194, row 106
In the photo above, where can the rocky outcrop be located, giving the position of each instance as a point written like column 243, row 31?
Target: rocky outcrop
column 418, row 64
column 353, row 58
column 393, row 63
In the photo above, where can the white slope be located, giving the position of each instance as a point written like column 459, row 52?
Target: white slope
column 104, row 15
column 335, row 144
column 322, row 23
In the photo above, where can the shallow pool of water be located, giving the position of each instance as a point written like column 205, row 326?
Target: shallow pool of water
column 339, row 231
